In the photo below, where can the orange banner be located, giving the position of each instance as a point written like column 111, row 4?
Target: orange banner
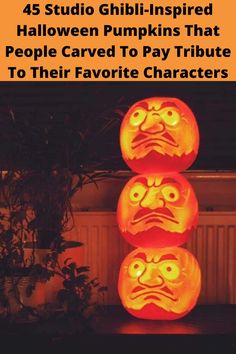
column 112, row 40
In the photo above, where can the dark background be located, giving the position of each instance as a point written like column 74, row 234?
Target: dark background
column 59, row 124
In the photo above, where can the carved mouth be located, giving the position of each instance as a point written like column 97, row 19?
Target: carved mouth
column 153, row 294
column 148, row 140
column 153, row 215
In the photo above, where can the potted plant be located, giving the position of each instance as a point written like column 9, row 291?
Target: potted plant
column 20, row 275
column 42, row 195
column 24, row 272
column 50, row 158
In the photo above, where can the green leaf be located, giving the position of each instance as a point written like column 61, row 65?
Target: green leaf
column 67, row 260
column 65, row 270
column 83, row 269
column 81, row 279
column 72, row 244
column 72, row 265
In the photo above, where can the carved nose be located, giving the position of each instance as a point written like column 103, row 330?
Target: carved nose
column 152, row 199
column 152, row 124
column 151, row 277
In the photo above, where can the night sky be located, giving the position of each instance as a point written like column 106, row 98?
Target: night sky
column 77, row 124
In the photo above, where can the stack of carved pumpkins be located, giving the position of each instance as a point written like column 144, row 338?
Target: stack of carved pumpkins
column 158, row 210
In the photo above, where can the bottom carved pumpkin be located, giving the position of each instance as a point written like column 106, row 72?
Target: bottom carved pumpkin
column 159, row 283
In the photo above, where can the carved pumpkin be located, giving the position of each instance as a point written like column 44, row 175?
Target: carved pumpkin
column 160, row 284
column 157, row 210
column 159, row 134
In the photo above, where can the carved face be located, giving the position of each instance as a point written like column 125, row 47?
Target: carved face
column 159, row 134
column 157, row 210
column 161, row 283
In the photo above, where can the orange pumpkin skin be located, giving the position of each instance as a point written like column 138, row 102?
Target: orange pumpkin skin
column 159, row 284
column 159, row 134
column 157, row 210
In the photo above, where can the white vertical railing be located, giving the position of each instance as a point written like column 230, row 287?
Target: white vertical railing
column 213, row 244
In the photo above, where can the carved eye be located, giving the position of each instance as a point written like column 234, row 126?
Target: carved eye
column 170, row 116
column 137, row 192
column 136, row 269
column 170, row 193
column 169, row 270
column 138, row 117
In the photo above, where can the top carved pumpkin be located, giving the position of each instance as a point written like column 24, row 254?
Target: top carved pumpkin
column 159, row 134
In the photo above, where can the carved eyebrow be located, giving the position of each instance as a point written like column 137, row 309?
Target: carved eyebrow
column 143, row 105
column 166, row 180
column 168, row 104
column 141, row 255
column 142, row 180
column 167, row 257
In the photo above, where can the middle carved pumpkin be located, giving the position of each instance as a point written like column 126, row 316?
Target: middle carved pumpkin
column 157, row 210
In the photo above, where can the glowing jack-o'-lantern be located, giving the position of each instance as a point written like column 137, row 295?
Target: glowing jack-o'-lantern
column 157, row 210
column 159, row 134
column 161, row 283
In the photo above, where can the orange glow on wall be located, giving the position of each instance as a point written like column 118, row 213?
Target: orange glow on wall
column 157, row 210
column 159, row 283
column 159, row 134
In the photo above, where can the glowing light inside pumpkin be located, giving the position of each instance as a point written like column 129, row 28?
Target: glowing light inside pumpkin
column 159, row 134
column 159, row 283
column 157, row 210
